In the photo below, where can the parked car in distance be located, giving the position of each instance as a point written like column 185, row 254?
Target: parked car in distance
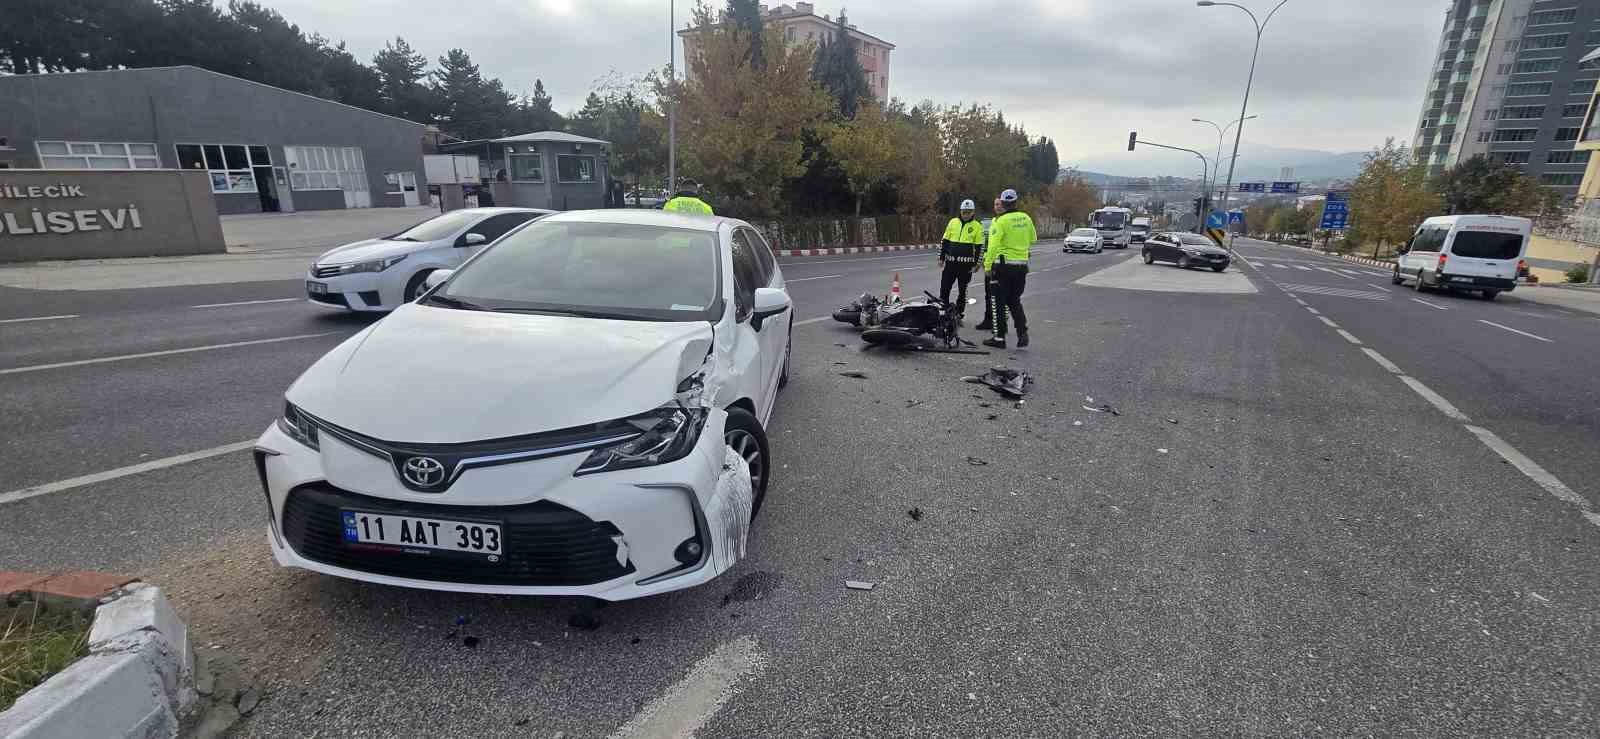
column 1083, row 240
column 1141, row 230
column 646, row 198
column 1467, row 252
column 1185, row 250
column 384, row 273
column 579, row 410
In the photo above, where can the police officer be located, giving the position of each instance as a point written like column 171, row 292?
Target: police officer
column 963, row 239
column 1011, row 235
column 688, row 201
column 987, row 324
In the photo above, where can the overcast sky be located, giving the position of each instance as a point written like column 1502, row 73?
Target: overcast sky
column 1338, row 76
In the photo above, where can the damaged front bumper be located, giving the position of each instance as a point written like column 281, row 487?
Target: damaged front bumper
column 614, row 535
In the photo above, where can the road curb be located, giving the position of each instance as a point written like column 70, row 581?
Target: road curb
column 1367, row 261
column 136, row 681
column 836, row 251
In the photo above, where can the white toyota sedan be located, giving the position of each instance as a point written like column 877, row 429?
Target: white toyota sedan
column 1084, row 240
column 380, row 274
column 577, row 411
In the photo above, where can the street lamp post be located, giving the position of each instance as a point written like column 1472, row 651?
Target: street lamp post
column 1260, row 26
column 672, row 97
column 1217, row 163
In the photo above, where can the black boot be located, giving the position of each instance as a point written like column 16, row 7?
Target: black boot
column 998, row 342
column 986, row 325
column 1022, row 338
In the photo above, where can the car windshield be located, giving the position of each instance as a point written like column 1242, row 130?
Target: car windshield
column 1085, row 232
column 1107, row 220
column 1487, row 245
column 601, row 270
column 1195, row 240
column 438, row 227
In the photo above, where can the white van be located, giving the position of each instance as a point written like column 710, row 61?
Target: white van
column 1482, row 253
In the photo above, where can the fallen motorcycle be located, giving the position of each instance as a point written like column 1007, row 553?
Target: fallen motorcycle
column 932, row 325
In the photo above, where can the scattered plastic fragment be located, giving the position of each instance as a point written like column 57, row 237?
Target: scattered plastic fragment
column 1009, row 382
column 975, row 462
column 470, row 642
column 915, row 514
column 857, row 374
column 1172, row 420
column 1077, row 423
column 1102, row 408
column 859, row 585
column 913, row 403
column 1161, row 451
column 1538, row 597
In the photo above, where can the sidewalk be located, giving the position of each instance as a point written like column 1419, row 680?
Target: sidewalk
column 1585, row 299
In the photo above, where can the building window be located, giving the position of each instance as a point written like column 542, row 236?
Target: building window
column 1568, row 134
column 1516, row 134
column 1513, row 45
column 228, row 164
column 1483, row 137
column 1590, row 65
column 1491, row 114
column 1510, row 157
column 1561, row 179
column 1593, row 39
column 1574, row 111
column 326, row 168
column 1522, row 112
column 97, row 155
column 1549, row 17
column 1568, row 157
column 570, row 168
column 527, row 166
column 1536, row 66
column 1582, row 87
column 1528, row 89
column 1552, row 41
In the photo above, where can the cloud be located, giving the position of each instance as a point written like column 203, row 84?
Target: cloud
column 1335, row 76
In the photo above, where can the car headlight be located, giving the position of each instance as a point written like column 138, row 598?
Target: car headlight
column 298, row 426
column 1191, row 251
column 376, row 265
column 667, row 434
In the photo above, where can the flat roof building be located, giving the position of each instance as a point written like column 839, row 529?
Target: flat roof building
column 263, row 148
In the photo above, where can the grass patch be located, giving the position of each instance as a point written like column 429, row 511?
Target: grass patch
column 37, row 642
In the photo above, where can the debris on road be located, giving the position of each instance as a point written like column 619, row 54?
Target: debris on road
column 857, row 374
column 1009, row 382
column 975, row 462
column 859, row 585
column 913, row 403
column 915, row 514
column 1538, row 597
column 1161, row 451
column 1102, row 408
column 1172, row 420
column 1077, row 423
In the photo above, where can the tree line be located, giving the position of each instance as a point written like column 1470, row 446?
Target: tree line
column 768, row 127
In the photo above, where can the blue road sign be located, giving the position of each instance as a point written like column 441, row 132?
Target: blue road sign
column 1286, row 188
column 1336, row 210
column 1235, row 216
column 1216, row 219
column 1252, row 187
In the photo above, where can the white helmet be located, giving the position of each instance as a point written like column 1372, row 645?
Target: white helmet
column 968, row 204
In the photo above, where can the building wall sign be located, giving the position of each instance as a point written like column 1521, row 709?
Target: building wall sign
column 39, row 220
column 89, row 214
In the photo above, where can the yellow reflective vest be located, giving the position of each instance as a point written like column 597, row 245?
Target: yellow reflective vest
column 692, row 206
column 1010, row 237
column 962, row 241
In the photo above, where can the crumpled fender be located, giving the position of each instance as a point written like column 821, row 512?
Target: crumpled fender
column 729, row 512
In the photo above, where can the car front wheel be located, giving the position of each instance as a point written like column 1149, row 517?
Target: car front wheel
column 1183, row 262
column 744, row 435
column 1149, row 258
column 414, row 288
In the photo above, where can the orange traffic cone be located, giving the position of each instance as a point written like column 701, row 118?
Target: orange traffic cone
column 894, row 289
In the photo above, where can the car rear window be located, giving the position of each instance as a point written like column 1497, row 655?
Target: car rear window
column 1487, row 245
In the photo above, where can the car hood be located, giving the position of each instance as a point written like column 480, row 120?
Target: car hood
column 1205, row 249
column 1083, row 238
column 368, row 250
column 437, row 375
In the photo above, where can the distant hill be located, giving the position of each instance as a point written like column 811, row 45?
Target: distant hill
column 1256, row 162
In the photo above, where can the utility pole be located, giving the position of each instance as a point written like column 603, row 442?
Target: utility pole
column 672, row 97
column 1249, row 82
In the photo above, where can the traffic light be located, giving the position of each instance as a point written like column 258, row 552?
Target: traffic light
column 1133, row 138
column 1199, row 207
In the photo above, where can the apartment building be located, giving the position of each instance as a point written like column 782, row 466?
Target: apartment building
column 801, row 24
column 1509, row 83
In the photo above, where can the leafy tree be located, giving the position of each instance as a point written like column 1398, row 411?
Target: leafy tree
column 1390, row 197
column 1072, row 199
column 402, row 75
column 745, row 18
column 741, row 126
column 865, row 150
column 838, row 69
column 918, row 168
column 984, row 155
column 1482, row 185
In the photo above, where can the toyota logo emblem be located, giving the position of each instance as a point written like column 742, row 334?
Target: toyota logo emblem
column 424, row 472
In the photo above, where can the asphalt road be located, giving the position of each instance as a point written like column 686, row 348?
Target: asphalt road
column 1277, row 535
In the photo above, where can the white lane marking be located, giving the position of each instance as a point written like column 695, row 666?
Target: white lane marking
column 1430, row 305
column 809, row 321
column 1247, row 261
column 808, row 261
column 803, row 279
column 907, row 268
column 1338, row 292
column 135, row 469
column 1538, row 474
column 248, row 302
column 1349, row 337
column 687, row 706
column 1313, row 311
column 1297, row 266
column 1516, row 331
column 1324, row 319
column 1436, row 399
column 1337, row 273
column 1382, row 360
column 1376, row 285
column 1280, row 266
column 169, row 352
column 38, row 318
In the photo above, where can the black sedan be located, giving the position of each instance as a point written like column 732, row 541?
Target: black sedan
column 1185, row 250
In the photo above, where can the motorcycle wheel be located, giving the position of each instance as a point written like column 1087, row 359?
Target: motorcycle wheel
column 852, row 317
column 890, row 337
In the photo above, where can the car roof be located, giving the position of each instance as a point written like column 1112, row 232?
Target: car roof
column 643, row 217
column 1470, row 218
column 498, row 210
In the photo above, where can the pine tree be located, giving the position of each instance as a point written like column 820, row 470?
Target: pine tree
column 838, row 70
column 402, row 72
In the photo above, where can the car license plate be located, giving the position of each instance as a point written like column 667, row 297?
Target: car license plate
column 316, row 288
column 1461, row 279
column 472, row 537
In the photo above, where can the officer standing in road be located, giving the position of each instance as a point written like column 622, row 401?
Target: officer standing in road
column 987, row 324
column 1011, row 235
column 688, row 201
column 963, row 239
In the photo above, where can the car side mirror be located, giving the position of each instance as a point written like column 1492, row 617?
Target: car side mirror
column 473, row 239
column 436, row 278
column 770, row 301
